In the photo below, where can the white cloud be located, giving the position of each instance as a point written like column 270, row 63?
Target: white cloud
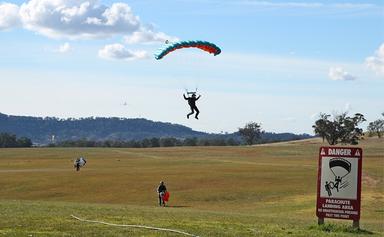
column 76, row 19
column 9, row 16
column 64, row 48
column 145, row 35
column 338, row 73
column 376, row 62
column 79, row 19
column 119, row 52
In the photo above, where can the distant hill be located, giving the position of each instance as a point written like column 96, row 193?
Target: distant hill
column 41, row 130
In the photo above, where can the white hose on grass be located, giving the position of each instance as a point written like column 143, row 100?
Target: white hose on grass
column 136, row 226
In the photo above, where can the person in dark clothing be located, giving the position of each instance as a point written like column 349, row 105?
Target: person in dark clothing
column 192, row 104
column 161, row 191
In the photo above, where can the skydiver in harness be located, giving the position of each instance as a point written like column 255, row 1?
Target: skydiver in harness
column 161, row 190
column 192, row 103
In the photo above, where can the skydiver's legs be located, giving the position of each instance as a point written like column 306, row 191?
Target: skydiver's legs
column 197, row 112
column 192, row 111
column 160, row 199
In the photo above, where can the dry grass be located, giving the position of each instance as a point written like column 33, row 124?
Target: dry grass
column 268, row 182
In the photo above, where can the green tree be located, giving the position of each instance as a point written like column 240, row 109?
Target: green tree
column 232, row 142
column 24, row 142
column 376, row 127
column 251, row 132
column 145, row 143
column 190, row 141
column 155, row 142
column 10, row 140
column 168, row 142
column 321, row 125
column 341, row 129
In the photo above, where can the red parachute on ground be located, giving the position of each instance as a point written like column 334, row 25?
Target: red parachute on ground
column 166, row 196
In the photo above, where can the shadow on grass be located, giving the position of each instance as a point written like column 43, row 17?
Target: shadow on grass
column 171, row 206
column 335, row 228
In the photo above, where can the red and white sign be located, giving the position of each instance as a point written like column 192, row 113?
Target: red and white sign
column 339, row 183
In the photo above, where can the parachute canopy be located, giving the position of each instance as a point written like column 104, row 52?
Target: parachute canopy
column 203, row 45
column 81, row 161
column 340, row 167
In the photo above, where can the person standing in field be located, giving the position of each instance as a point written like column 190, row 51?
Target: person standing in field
column 161, row 190
column 192, row 104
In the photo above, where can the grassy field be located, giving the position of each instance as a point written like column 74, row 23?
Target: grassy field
column 267, row 190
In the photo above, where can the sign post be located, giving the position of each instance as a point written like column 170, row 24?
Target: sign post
column 339, row 184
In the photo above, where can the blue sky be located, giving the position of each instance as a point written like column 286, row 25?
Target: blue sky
column 282, row 62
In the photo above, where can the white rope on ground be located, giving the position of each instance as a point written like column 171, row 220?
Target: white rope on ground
column 135, row 226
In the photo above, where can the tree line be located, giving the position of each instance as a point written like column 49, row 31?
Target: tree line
column 148, row 143
column 344, row 129
column 376, row 127
column 51, row 130
column 44, row 130
column 340, row 128
column 10, row 140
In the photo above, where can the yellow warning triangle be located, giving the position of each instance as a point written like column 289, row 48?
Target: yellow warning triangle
column 357, row 153
column 322, row 152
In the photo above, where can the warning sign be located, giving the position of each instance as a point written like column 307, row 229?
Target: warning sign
column 339, row 183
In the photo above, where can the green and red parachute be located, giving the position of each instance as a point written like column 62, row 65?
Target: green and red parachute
column 203, row 45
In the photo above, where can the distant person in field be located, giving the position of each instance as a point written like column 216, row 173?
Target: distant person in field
column 161, row 190
column 79, row 162
column 192, row 103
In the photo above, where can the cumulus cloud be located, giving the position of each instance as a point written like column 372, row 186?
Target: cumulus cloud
column 64, row 48
column 77, row 19
column 9, row 16
column 119, row 52
column 145, row 35
column 376, row 62
column 338, row 73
